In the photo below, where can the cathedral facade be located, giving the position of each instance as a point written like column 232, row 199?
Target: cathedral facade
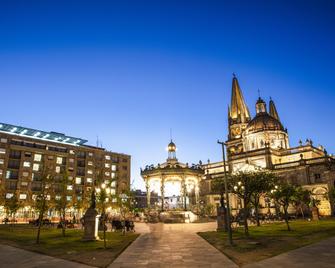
column 262, row 142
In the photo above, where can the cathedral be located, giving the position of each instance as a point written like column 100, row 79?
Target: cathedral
column 262, row 142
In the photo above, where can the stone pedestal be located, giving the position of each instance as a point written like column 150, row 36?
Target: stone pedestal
column 91, row 224
column 221, row 219
column 315, row 214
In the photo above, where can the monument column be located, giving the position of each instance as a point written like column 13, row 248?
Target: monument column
column 147, row 186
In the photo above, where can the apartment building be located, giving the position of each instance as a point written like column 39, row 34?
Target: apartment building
column 26, row 152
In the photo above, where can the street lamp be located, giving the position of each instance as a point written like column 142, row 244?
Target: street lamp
column 230, row 237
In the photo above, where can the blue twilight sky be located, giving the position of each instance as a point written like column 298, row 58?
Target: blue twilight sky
column 128, row 71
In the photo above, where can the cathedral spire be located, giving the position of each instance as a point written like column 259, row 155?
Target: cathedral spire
column 238, row 108
column 272, row 110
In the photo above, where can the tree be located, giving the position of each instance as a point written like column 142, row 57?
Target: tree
column 102, row 199
column 42, row 202
column 302, row 198
column 261, row 182
column 218, row 187
column 61, row 202
column 12, row 205
column 331, row 196
column 285, row 194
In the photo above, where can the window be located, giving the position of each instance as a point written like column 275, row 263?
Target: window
column 69, row 187
column 24, row 183
column 2, row 161
column 124, row 167
column 9, row 195
column 78, row 180
column 70, row 169
column 33, row 197
column 89, row 171
column 25, row 174
column 71, row 160
column 107, row 174
column 107, row 157
column 50, row 157
column 3, row 140
column 37, row 157
column 107, row 165
column 59, row 160
column 48, row 197
column 89, row 180
column 71, row 152
column 57, row 197
column 113, row 175
column 27, row 154
column 90, row 163
column 113, row 184
column 57, row 169
column 68, row 198
column 36, row 167
column 23, row 196
column 90, row 154
column 26, row 164
column 1, row 171
column 114, row 167
column 113, row 191
column 70, row 178
column 2, row 151
column 106, row 181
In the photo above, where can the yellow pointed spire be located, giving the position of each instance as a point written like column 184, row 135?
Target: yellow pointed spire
column 273, row 111
column 238, row 108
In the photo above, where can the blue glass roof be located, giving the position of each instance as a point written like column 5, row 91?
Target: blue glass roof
column 39, row 134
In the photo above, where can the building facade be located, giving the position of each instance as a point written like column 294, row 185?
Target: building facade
column 25, row 153
column 262, row 142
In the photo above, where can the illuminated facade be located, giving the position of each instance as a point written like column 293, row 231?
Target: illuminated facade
column 23, row 152
column 176, row 183
column 262, row 142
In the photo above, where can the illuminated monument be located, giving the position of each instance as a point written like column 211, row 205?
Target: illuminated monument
column 176, row 183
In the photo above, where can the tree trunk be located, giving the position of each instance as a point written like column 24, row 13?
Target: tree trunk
column 245, row 217
column 302, row 212
column 257, row 214
column 104, row 226
column 40, row 218
column 63, row 223
column 286, row 218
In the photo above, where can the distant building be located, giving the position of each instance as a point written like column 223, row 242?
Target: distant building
column 24, row 152
column 141, row 199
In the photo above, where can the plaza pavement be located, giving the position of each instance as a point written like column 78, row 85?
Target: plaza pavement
column 172, row 245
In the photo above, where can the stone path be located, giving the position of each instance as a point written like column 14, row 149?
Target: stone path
column 172, row 245
column 320, row 255
column 11, row 257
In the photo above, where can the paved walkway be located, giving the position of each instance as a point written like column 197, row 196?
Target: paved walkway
column 320, row 255
column 172, row 245
column 11, row 257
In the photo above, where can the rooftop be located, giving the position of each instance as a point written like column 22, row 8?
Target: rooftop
column 42, row 135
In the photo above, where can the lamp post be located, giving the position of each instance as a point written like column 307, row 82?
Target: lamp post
column 230, row 237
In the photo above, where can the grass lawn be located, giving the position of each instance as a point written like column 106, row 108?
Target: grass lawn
column 69, row 247
column 270, row 240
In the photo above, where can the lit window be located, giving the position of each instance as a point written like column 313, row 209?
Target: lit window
column 33, row 197
column 2, row 151
column 57, row 197
column 70, row 178
column 57, row 169
column 71, row 160
column 24, row 183
column 48, row 197
column 9, row 195
column 2, row 161
column 72, row 152
column 69, row 187
column 68, row 198
column 113, row 175
column 36, row 167
column 90, row 163
column 37, row 157
column 107, row 157
column 114, row 167
column 25, row 174
column 78, row 180
column 89, row 171
column 8, row 174
column 113, row 184
column 107, row 182
column 3, row 140
column 107, row 174
column 114, row 200
column 26, row 164
column 79, row 198
column 107, row 165
column 89, row 180
column 90, row 154
column 23, row 196
column 0, row 171
column 59, row 160
column 113, row 191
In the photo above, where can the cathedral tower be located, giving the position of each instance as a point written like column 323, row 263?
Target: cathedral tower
column 238, row 118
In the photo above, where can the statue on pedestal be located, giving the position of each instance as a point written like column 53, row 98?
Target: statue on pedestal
column 91, row 221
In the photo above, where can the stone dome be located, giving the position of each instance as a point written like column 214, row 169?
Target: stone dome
column 264, row 121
